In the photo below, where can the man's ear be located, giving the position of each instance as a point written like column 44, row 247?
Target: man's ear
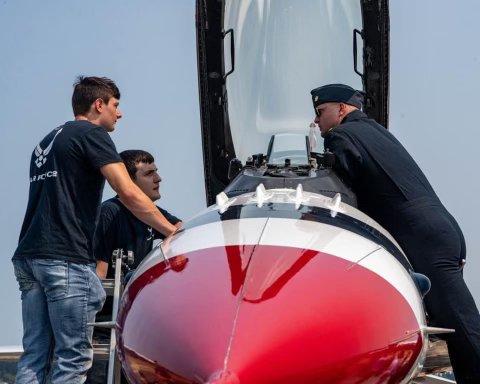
column 98, row 105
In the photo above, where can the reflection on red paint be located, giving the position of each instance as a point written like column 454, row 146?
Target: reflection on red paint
column 271, row 269
column 265, row 314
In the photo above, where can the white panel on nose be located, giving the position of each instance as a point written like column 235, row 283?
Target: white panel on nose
column 316, row 236
column 217, row 234
column 383, row 264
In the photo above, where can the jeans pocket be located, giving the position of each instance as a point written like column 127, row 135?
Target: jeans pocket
column 23, row 275
column 98, row 292
column 53, row 276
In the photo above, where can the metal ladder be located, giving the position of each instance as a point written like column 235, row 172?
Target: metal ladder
column 113, row 287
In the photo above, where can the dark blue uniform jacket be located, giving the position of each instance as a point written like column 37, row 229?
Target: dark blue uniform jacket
column 392, row 190
column 390, row 186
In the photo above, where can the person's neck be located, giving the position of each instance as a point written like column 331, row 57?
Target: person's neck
column 87, row 118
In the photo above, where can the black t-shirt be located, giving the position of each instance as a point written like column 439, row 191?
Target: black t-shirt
column 118, row 228
column 66, row 188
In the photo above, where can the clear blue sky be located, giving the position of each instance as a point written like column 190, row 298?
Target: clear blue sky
column 148, row 47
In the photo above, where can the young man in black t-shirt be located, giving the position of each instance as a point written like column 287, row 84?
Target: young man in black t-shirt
column 54, row 262
column 118, row 228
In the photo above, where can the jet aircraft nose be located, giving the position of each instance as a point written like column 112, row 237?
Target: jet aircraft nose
column 257, row 313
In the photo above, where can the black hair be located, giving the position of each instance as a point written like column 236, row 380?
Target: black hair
column 88, row 89
column 132, row 157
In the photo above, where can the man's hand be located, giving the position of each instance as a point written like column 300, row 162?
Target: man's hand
column 102, row 269
column 134, row 199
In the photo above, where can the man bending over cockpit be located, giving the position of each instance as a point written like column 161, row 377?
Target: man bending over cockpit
column 391, row 188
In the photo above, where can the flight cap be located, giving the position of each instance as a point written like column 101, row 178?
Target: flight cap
column 337, row 93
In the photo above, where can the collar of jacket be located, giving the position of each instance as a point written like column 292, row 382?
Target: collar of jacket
column 355, row 115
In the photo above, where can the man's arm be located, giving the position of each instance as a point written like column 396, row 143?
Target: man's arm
column 134, row 199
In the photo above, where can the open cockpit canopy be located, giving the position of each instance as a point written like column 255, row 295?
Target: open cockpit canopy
column 259, row 59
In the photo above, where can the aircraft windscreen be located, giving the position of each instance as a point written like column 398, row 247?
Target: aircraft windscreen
column 283, row 49
column 289, row 146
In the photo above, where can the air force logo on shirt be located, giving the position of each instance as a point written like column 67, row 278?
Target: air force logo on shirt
column 41, row 154
column 150, row 233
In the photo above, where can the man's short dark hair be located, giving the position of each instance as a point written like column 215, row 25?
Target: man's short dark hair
column 132, row 157
column 88, row 89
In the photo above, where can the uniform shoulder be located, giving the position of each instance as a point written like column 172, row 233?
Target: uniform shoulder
column 351, row 126
column 354, row 127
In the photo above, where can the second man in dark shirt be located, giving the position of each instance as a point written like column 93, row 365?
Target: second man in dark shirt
column 118, row 228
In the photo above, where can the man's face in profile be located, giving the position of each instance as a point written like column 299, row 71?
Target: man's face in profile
column 148, row 180
column 109, row 113
column 328, row 116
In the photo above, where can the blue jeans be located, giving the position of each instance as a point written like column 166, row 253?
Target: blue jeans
column 59, row 298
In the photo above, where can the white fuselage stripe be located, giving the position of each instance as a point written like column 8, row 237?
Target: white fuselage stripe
column 298, row 234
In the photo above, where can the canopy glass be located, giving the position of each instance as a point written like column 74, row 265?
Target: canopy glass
column 283, row 49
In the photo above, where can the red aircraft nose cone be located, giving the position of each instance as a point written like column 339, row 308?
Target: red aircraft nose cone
column 266, row 314
column 223, row 377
